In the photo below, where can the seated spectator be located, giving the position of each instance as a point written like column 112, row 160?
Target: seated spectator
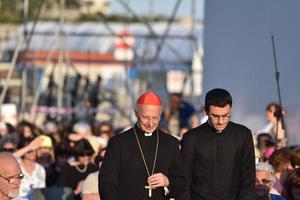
column 104, row 132
column 51, row 129
column 90, row 189
column 45, row 153
column 43, row 146
column 280, row 160
column 291, row 190
column 25, row 130
column 46, row 158
column 84, row 130
column 34, row 173
column 265, row 178
column 9, row 143
column 265, row 146
column 72, row 175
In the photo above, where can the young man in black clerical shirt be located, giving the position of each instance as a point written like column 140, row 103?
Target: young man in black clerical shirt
column 143, row 162
column 218, row 156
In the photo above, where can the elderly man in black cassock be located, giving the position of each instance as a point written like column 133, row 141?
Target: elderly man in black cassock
column 143, row 162
column 218, row 156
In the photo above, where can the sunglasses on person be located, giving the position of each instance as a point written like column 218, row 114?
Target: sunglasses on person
column 13, row 179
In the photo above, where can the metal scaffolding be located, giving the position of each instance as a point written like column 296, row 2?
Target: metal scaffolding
column 149, row 57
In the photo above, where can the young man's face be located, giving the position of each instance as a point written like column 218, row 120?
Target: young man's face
column 219, row 117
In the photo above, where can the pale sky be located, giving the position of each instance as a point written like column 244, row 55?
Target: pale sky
column 239, row 57
column 160, row 7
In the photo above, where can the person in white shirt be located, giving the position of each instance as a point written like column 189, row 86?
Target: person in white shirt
column 34, row 173
column 274, row 126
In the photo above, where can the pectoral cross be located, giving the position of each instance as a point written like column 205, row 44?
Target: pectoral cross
column 150, row 188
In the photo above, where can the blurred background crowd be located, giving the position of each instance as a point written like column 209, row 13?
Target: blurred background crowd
column 68, row 155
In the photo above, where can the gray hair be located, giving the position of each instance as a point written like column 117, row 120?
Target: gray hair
column 266, row 167
column 50, row 127
column 82, row 128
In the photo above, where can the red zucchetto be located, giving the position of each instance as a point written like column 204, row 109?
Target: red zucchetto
column 149, row 98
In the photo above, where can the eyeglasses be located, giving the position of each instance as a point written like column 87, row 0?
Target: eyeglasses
column 219, row 117
column 13, row 179
column 263, row 181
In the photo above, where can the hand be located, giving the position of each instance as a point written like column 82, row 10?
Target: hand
column 78, row 188
column 158, row 180
column 36, row 143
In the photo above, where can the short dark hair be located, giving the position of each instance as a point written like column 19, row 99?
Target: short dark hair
column 82, row 148
column 217, row 97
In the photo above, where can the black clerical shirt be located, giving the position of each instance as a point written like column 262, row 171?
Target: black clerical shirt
column 148, row 145
column 219, row 165
column 123, row 175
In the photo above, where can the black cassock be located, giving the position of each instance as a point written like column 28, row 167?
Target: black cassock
column 219, row 166
column 123, row 175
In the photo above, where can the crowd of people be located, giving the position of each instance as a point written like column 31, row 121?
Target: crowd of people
column 55, row 155
column 209, row 157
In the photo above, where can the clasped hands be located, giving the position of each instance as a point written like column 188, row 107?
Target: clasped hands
column 158, row 180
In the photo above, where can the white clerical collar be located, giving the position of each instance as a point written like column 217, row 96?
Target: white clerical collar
column 213, row 127
column 145, row 133
column 148, row 134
